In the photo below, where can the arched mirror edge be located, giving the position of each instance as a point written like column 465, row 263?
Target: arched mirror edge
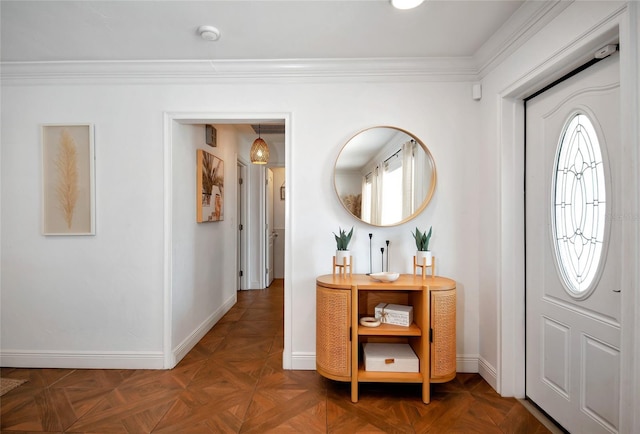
column 428, row 196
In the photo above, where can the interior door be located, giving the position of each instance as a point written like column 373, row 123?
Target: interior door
column 269, row 230
column 240, row 217
column 573, row 249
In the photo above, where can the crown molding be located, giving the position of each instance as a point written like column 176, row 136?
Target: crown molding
column 375, row 69
column 532, row 16
column 525, row 22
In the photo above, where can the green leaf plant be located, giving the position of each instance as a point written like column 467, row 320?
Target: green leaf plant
column 422, row 239
column 342, row 240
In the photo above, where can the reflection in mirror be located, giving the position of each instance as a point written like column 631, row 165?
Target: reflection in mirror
column 384, row 176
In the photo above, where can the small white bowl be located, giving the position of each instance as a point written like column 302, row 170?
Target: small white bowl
column 385, row 276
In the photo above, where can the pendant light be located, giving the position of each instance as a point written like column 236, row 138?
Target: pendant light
column 259, row 150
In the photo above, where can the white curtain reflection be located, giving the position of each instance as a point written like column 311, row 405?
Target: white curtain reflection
column 391, row 210
column 389, row 195
column 407, row 179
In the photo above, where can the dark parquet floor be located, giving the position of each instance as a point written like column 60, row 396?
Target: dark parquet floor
column 232, row 381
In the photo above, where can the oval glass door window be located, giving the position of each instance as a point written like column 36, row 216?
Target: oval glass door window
column 578, row 220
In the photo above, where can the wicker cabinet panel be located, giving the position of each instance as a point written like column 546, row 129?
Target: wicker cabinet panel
column 443, row 325
column 333, row 321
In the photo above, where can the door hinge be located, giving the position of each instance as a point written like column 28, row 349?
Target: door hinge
column 240, row 181
column 240, row 273
column 430, row 335
column 240, row 227
column 350, row 328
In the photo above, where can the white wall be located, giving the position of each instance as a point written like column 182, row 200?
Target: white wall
column 114, row 304
column 89, row 300
column 203, row 281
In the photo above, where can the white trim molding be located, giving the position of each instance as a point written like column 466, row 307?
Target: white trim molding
column 190, row 341
column 303, row 361
column 172, row 355
column 524, row 23
column 488, row 372
column 82, row 359
column 202, row 71
column 630, row 318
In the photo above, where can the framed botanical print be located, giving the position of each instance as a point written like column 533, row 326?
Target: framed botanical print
column 210, row 187
column 68, row 180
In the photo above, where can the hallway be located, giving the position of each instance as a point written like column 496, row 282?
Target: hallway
column 232, row 382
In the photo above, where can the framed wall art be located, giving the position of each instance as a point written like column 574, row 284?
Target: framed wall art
column 211, row 136
column 210, row 187
column 68, row 163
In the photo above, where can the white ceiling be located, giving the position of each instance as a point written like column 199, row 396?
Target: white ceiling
column 286, row 31
column 250, row 29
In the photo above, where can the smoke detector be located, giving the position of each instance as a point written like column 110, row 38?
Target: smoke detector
column 209, row 33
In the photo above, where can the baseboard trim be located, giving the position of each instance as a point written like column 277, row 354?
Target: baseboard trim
column 467, row 363
column 190, row 341
column 82, row 360
column 111, row 359
column 488, row 372
column 303, row 361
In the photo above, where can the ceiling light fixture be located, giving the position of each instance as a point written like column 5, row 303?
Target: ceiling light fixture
column 209, row 33
column 259, row 152
column 406, row 4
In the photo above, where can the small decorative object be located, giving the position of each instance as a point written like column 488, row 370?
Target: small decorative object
column 382, row 258
column 387, row 254
column 385, row 276
column 68, row 180
column 370, row 257
column 422, row 245
column 342, row 259
column 423, row 258
column 282, row 191
column 396, row 314
column 210, row 187
column 390, row 357
column 342, row 244
column 211, row 136
column 369, row 321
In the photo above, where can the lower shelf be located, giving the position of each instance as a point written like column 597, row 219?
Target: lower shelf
column 392, row 377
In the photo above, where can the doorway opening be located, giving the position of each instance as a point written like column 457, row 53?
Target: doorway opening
column 185, row 132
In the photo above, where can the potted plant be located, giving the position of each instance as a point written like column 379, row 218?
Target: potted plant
column 423, row 254
column 343, row 256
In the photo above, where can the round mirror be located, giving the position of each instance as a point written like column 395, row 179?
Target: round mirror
column 384, row 176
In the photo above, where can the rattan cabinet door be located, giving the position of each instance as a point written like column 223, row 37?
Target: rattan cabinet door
column 333, row 321
column 443, row 346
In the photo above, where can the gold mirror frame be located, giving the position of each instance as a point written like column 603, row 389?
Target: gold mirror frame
column 360, row 152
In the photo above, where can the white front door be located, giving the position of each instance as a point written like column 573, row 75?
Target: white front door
column 573, row 249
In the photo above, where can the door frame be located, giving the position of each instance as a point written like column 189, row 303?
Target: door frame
column 511, row 278
column 242, row 167
column 267, row 257
column 224, row 118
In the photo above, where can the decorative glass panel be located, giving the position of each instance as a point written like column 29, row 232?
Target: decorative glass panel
column 579, row 205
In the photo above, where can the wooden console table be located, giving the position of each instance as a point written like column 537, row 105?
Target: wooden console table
column 342, row 300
